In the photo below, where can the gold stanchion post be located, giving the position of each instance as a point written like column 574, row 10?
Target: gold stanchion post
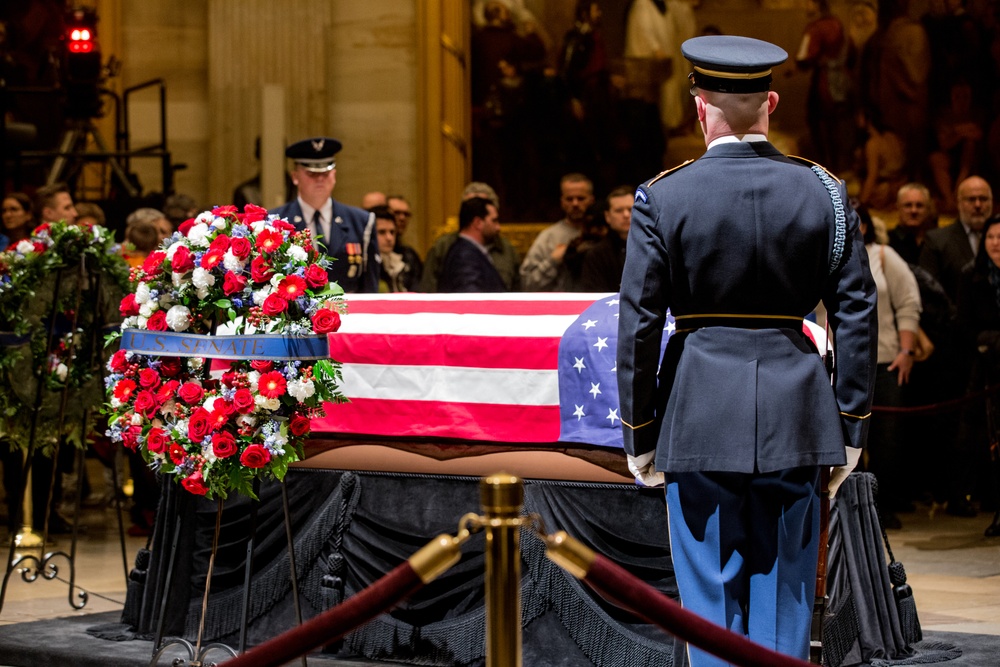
column 502, row 496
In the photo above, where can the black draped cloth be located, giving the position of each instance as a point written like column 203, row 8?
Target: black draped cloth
column 350, row 528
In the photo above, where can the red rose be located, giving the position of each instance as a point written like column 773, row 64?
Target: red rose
column 274, row 304
column 233, row 283
column 222, row 406
column 269, row 240
column 39, row 247
column 260, row 270
column 123, row 390
column 199, row 425
column 316, row 276
column 44, row 227
column 170, row 367
column 243, row 401
column 224, row 444
column 283, row 224
column 223, row 211
column 130, row 436
column 253, row 213
column 262, row 365
column 291, row 288
column 300, row 425
column 157, row 321
column 149, row 378
column 176, row 453
column 325, row 321
column 255, row 456
column 167, row 391
column 145, row 403
column 220, row 242
column 229, row 378
column 271, row 385
column 185, row 226
column 118, row 362
column 128, row 306
column 212, row 258
column 191, row 393
column 241, row 248
column 157, row 440
column 183, row 260
column 153, row 262
column 195, row 484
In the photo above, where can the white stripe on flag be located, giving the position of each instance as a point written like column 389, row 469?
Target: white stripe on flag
column 458, row 385
column 526, row 326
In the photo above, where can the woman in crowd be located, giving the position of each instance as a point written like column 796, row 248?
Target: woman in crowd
column 17, row 219
column 898, row 322
column 979, row 324
column 396, row 274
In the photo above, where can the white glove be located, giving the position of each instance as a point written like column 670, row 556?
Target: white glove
column 840, row 473
column 643, row 469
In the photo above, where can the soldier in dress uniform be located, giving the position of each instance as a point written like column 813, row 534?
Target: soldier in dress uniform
column 740, row 417
column 347, row 232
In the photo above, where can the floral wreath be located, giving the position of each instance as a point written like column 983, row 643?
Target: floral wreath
column 32, row 273
column 250, row 274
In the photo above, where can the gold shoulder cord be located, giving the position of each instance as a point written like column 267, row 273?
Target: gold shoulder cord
column 808, row 162
column 667, row 172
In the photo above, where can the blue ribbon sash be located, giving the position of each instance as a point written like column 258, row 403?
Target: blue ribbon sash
column 275, row 347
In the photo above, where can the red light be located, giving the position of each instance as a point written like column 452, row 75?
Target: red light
column 81, row 47
column 80, row 35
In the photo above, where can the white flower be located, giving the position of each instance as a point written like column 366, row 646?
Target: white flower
column 219, row 223
column 202, row 278
column 246, row 420
column 198, row 235
column 140, row 322
column 136, row 419
column 301, row 389
column 25, row 246
column 201, row 292
column 209, row 403
column 130, row 322
column 61, row 372
column 177, row 279
column 179, row 318
column 267, row 403
column 232, row 262
column 261, row 294
column 277, row 278
column 147, row 309
column 142, row 293
column 253, row 377
column 258, row 226
column 115, row 403
column 209, row 453
column 298, row 253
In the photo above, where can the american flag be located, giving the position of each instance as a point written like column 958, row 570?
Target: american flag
column 536, row 368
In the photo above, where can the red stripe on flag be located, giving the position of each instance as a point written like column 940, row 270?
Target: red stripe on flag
column 446, row 350
column 468, row 421
column 409, row 307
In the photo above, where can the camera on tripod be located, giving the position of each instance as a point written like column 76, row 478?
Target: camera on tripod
column 82, row 71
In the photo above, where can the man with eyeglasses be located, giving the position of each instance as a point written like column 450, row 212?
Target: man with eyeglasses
column 347, row 233
column 400, row 209
column 946, row 251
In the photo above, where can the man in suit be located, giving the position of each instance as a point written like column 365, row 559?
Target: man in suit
column 946, row 251
column 741, row 416
column 467, row 266
column 347, row 233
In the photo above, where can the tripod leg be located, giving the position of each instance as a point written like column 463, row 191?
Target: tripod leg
column 114, row 164
column 67, row 145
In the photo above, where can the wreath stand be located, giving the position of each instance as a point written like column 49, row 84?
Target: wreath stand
column 29, row 565
column 197, row 653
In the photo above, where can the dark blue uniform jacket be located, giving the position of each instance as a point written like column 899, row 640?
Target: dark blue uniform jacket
column 350, row 225
column 744, row 230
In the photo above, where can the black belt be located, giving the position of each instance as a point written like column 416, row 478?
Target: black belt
column 736, row 321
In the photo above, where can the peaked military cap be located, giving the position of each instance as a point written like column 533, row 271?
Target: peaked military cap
column 732, row 64
column 314, row 154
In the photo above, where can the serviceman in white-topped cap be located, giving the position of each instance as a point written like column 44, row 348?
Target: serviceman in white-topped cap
column 346, row 232
column 741, row 418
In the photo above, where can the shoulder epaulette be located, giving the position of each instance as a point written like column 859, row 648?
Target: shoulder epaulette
column 810, row 163
column 667, row 172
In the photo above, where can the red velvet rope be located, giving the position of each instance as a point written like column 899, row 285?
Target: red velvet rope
column 618, row 585
column 334, row 623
